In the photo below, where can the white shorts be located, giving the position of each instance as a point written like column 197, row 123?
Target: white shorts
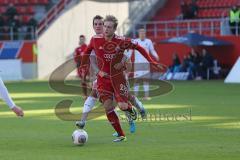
column 141, row 70
column 142, row 74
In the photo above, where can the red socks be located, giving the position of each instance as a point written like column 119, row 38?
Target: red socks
column 114, row 120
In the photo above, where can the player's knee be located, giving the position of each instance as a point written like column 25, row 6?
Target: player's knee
column 108, row 105
column 130, row 97
column 123, row 106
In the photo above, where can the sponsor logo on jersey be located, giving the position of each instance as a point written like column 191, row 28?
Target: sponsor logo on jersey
column 109, row 57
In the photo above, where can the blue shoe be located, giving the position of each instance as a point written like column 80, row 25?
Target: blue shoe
column 132, row 126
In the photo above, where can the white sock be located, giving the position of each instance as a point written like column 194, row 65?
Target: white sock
column 146, row 89
column 136, row 88
column 89, row 104
column 139, row 104
column 5, row 95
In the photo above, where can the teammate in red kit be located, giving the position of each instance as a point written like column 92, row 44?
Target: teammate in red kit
column 82, row 72
column 111, row 81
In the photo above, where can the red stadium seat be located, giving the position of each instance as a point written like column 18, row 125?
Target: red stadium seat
column 2, row 10
column 21, row 10
column 25, row 18
column 30, row 10
column 43, row 2
column 4, row 2
column 34, row 2
column 23, row 2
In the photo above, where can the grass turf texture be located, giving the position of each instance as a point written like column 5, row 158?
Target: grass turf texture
column 213, row 133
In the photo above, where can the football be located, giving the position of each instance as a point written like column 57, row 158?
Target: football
column 79, row 137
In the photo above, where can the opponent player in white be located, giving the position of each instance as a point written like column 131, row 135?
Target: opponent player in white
column 141, row 65
column 6, row 97
column 92, row 98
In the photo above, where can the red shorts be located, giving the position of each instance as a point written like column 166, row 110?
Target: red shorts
column 114, row 87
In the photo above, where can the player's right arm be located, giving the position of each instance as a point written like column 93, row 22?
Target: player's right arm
column 143, row 52
column 6, row 97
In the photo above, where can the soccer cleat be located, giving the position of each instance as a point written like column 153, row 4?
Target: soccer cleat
column 132, row 126
column 80, row 124
column 120, row 139
column 131, row 115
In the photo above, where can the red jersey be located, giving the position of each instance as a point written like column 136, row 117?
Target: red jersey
column 79, row 52
column 82, row 72
column 108, row 52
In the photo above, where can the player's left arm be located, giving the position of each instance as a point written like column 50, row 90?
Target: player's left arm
column 127, row 44
column 143, row 52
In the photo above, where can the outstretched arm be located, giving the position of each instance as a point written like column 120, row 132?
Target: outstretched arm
column 145, row 54
column 6, row 97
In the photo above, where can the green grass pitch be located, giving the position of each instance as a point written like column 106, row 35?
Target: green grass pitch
column 213, row 132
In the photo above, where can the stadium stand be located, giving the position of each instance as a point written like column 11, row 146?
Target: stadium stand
column 212, row 19
column 52, row 14
column 27, row 11
column 165, row 22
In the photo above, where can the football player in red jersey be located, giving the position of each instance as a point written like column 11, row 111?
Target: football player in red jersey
column 111, row 82
column 82, row 72
column 92, row 98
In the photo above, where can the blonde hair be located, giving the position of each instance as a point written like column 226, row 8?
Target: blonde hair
column 113, row 19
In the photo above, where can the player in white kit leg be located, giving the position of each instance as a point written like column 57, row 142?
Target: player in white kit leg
column 141, row 65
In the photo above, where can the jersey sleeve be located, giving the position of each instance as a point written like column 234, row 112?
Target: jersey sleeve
column 142, row 51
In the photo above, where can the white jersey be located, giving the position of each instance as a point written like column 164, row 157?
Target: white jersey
column 141, row 69
column 148, row 46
